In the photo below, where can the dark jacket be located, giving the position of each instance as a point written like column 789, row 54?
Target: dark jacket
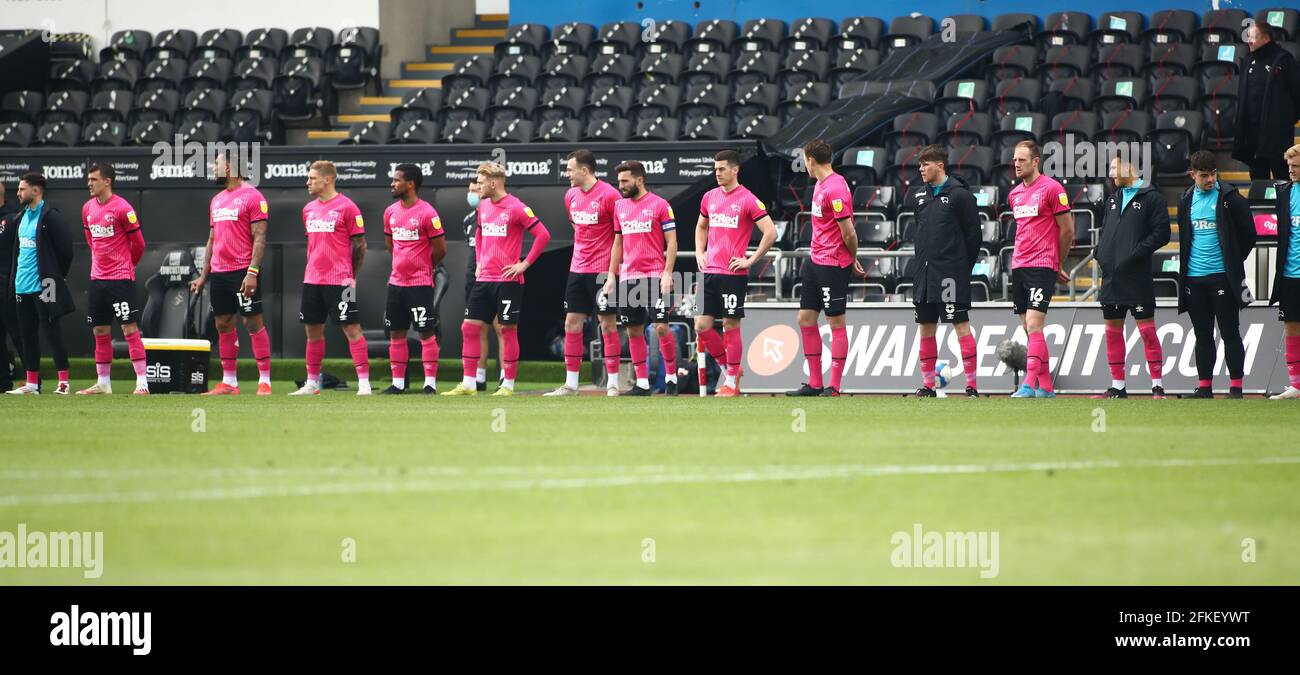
column 53, row 257
column 8, row 238
column 1129, row 237
column 1283, row 236
column 947, row 235
column 1236, row 228
column 1278, row 111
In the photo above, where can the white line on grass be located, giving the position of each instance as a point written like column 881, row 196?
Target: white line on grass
column 742, row 476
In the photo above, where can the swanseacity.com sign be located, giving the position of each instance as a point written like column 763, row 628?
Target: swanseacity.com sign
column 884, row 346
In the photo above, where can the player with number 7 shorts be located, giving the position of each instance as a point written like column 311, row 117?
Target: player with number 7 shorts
column 116, row 245
column 728, row 215
column 236, row 243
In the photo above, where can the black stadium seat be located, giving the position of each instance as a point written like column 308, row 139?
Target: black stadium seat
column 803, row 67
column 703, row 100
column 21, row 106
column 705, row 129
column 1172, row 93
column 468, row 104
column 662, row 68
column 961, row 97
column 657, row 129
column 713, row 35
column 904, row 170
column 1170, row 26
column 1116, row 27
column 160, row 104
column 297, row 88
column 414, row 131
column 1065, row 28
column 515, row 71
column 420, row 104
column 559, row 131
column 127, row 45
column 1218, row 107
column 852, row 65
column 223, row 41
column 911, row 130
column 1012, row 21
column 149, row 132
column 64, row 106
column 1015, row 96
column 470, row 71
column 1064, row 62
column 759, row 35
column 563, row 69
column 666, row 37
column 1221, row 26
column 465, row 131
column 1119, row 60
column 116, row 75
column 659, row 100
column 1075, row 93
column 366, row 133
column 354, row 61
column 755, row 99
column 1125, row 126
column 16, row 135
column 252, row 73
column 200, row 132
column 262, row 43
column 1285, row 20
column 1217, row 61
column 1017, row 127
column 756, row 126
column 523, row 39
column 1011, row 62
column 972, row 128
column 1081, row 124
column 617, row 37
column 905, row 31
column 817, row 33
column 177, row 42
column 810, row 96
column 162, row 74
column 518, row 130
column 607, row 102
column 104, row 134
column 1168, row 60
column 610, row 70
column 863, row 165
column 108, row 106
column 512, row 104
column 706, row 67
column 305, row 42
column 754, row 68
column 249, row 117
column 1176, row 135
column 857, row 32
column 74, row 75
column 608, row 129
column 573, row 39
column 1124, row 93
column 560, row 103
column 203, row 104
column 207, row 74
column 57, row 135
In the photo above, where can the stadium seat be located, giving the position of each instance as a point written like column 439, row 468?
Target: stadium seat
column 560, row 103
column 420, row 104
column 703, row 100
column 465, row 131
column 610, row 70
column 754, row 68
column 512, row 104
column 252, row 73
column 617, row 37
column 759, row 35
column 164, row 74
column 1168, row 60
column 170, row 309
column 1284, row 20
column 973, row 163
column 21, row 106
column 200, row 132
column 972, row 128
column 810, row 96
column 1176, row 135
column 104, row 134
column 218, row 42
column 1216, row 62
column 863, row 165
column 1173, row 93
column 57, row 135
column 1081, row 124
column 659, row 100
column 1013, row 97
column 810, row 33
column 1125, row 126
column 201, row 105
column 852, row 65
column 857, row 32
column 570, row 39
column 966, row 24
column 1170, row 26
column 116, row 75
column 905, row 169
column 1017, row 127
column 666, row 37
column 1075, row 93
column 563, row 69
column 468, row 104
column 1221, row 26
column 308, row 42
column 207, row 74
column 713, row 35
column 712, row 128
column 756, row 126
column 657, row 129
column 249, row 117
column 108, row 106
column 64, row 106
column 1118, row 60
column 1065, row 28
column 414, row 131
column 607, row 102
column 754, row 99
column 706, row 67
column 297, row 88
column 1218, row 107
column 905, row 31
column 515, row 71
column 173, row 43
column 160, row 104
column 559, row 131
column 1125, row 93
column 149, row 132
column 367, row 133
column 525, row 39
column 262, row 43
column 16, row 134
column 74, row 75
column 608, row 129
column 911, row 129
column 1064, row 62
column 1118, row 27
column 1011, row 62
column 354, row 62
column 468, row 73
column 662, row 68
column 127, row 45
column 1014, row 20
column 961, row 97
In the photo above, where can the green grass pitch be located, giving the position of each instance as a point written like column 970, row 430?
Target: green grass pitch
column 762, row 490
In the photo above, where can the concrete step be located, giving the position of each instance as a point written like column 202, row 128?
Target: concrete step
column 331, row 137
column 492, row 21
column 395, row 87
column 453, row 52
column 348, row 120
column 427, row 70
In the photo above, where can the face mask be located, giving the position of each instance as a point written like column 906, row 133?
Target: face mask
column 472, row 199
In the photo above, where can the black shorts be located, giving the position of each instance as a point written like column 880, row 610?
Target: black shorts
column 410, row 306
column 501, row 300
column 223, row 292
column 641, row 302
column 1032, row 288
column 947, row 312
column 112, row 300
column 1139, row 312
column 724, row 295
column 469, row 280
column 825, row 288
column 338, row 304
column 1288, row 293
column 582, row 295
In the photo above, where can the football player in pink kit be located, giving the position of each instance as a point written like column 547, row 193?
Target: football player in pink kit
column 116, row 244
column 499, row 283
column 826, row 274
column 590, row 205
column 413, row 233
column 728, row 215
column 336, row 246
column 236, row 243
column 644, row 227
column 1044, row 234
